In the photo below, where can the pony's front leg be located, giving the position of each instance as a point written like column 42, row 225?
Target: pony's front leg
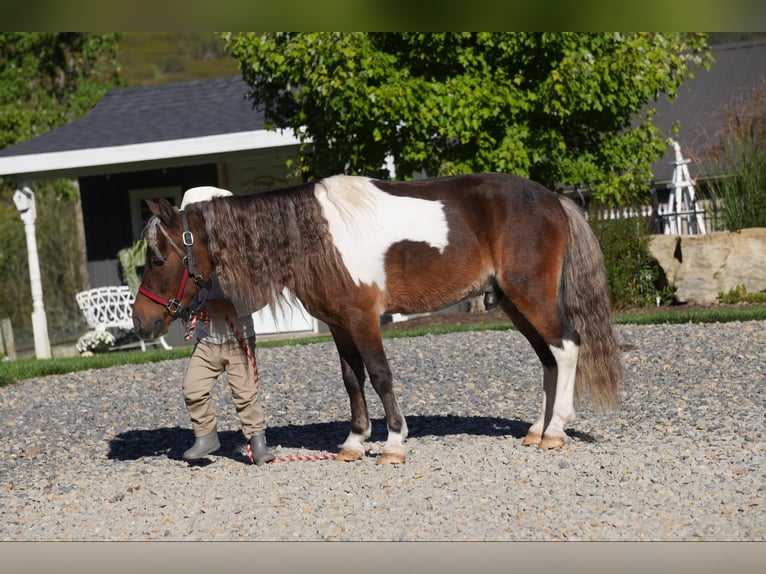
column 352, row 370
column 353, row 448
column 381, row 379
column 362, row 348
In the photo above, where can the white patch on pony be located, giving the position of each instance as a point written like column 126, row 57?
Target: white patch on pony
column 355, row 442
column 563, row 405
column 365, row 222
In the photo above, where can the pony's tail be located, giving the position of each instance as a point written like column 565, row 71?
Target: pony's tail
column 588, row 307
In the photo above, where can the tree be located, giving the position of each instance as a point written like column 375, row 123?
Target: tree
column 560, row 108
column 46, row 80
column 50, row 78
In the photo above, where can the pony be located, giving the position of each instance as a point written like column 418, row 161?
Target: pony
column 351, row 248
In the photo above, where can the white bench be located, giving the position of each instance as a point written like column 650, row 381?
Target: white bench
column 111, row 307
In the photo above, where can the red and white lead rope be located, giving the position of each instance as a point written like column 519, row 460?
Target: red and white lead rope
column 248, row 351
column 305, row 458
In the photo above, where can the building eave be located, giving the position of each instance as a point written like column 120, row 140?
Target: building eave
column 131, row 157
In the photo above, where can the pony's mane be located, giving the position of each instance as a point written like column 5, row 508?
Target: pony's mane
column 264, row 242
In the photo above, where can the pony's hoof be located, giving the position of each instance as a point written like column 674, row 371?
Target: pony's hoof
column 391, row 458
column 551, row 442
column 348, row 455
column 531, row 439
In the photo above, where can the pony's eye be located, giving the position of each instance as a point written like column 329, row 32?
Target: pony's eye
column 157, row 262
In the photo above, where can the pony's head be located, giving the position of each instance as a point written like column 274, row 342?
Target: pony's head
column 177, row 266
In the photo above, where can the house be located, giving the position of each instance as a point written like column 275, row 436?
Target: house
column 157, row 141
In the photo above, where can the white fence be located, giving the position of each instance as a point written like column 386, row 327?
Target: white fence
column 666, row 220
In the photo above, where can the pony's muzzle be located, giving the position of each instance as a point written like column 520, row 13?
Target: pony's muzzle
column 144, row 333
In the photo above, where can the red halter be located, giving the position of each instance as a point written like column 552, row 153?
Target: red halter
column 174, row 306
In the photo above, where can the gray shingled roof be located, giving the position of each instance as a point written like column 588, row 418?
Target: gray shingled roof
column 738, row 68
column 153, row 114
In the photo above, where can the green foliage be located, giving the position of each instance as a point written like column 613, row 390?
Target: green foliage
column 131, row 258
column 50, row 78
column 58, row 252
column 15, row 296
column 680, row 316
column 740, row 158
column 635, row 279
column 560, row 108
column 739, row 294
column 46, row 80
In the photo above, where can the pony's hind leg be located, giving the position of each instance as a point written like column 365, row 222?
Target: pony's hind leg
column 352, row 370
column 562, row 412
column 557, row 346
column 535, row 433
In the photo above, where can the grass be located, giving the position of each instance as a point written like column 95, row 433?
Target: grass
column 14, row 371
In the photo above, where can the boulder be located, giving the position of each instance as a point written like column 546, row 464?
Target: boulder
column 700, row 267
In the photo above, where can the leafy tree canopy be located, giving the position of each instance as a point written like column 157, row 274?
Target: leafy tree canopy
column 560, row 108
column 50, row 78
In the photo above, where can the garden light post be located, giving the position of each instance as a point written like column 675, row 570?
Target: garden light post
column 24, row 198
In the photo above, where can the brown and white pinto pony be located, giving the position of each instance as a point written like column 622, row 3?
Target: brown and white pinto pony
column 351, row 248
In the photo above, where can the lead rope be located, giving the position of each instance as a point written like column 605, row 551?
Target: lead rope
column 251, row 356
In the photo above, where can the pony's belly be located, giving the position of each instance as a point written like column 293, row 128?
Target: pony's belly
column 419, row 278
column 417, row 292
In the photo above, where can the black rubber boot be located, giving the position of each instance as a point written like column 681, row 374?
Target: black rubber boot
column 203, row 446
column 258, row 452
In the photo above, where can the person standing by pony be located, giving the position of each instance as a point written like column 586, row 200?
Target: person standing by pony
column 225, row 343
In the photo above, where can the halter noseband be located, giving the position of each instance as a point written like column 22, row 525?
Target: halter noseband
column 174, row 306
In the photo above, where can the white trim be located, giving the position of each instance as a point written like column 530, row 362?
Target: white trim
column 38, row 163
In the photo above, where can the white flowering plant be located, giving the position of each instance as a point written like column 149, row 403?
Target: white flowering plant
column 95, row 342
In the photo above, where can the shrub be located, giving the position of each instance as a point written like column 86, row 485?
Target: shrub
column 739, row 294
column 739, row 156
column 131, row 259
column 61, row 263
column 635, row 278
column 95, row 342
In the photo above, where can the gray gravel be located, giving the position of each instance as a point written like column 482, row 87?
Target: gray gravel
column 95, row 455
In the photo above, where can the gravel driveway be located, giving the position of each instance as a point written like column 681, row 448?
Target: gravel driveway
column 95, row 455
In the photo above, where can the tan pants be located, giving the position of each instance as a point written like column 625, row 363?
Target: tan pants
column 207, row 363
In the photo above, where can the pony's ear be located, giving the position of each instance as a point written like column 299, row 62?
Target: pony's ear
column 162, row 209
column 153, row 207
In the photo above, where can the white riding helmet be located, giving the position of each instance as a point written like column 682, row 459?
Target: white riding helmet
column 203, row 193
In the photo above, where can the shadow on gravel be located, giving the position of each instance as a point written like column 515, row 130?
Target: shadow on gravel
column 171, row 442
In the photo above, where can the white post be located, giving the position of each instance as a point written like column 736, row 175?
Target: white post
column 24, row 198
column 685, row 200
